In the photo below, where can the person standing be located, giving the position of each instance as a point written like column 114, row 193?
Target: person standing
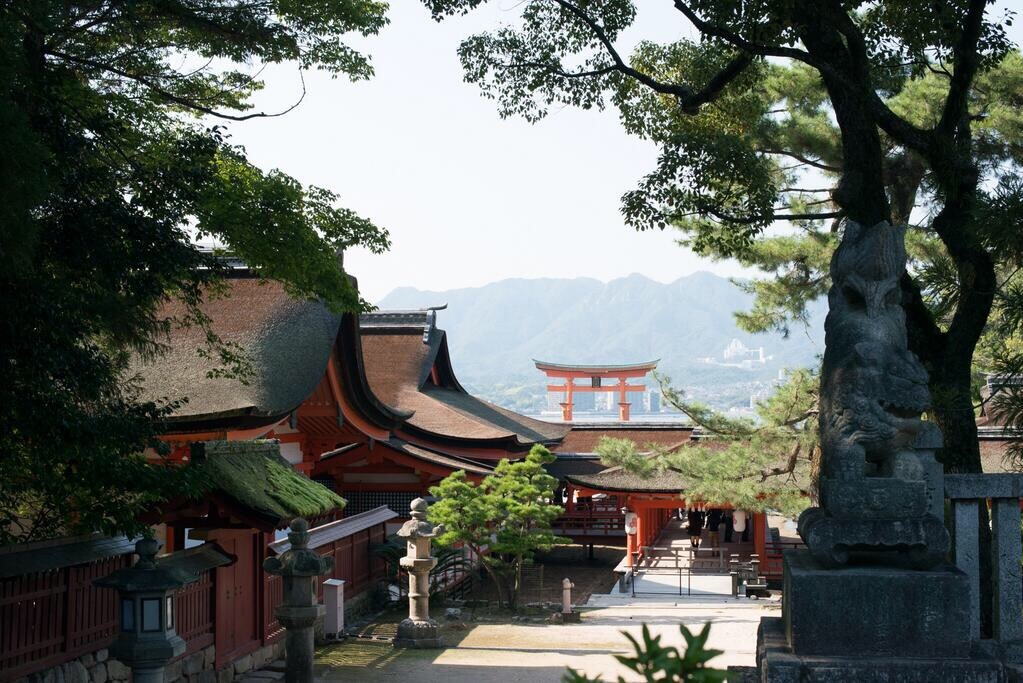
column 695, row 519
column 729, row 526
column 714, row 526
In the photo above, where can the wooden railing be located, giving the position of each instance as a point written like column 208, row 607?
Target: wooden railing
column 273, row 595
column 772, row 560
column 967, row 492
column 587, row 523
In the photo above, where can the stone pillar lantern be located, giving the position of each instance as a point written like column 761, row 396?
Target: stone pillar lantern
column 298, row 567
column 419, row 630
column 147, row 640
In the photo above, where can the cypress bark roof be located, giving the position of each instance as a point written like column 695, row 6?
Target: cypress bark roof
column 408, row 367
column 287, row 340
column 617, row 479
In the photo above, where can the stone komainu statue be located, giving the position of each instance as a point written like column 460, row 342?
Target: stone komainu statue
column 874, row 493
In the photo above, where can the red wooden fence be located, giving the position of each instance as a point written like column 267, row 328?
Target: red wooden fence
column 193, row 609
column 50, row 617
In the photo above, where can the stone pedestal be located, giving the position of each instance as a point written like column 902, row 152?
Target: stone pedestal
column 778, row 664
column 875, row 610
column 871, row 623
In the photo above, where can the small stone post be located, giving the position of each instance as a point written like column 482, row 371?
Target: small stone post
column 419, row 630
column 297, row 566
column 567, row 615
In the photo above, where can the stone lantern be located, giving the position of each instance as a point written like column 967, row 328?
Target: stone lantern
column 147, row 640
column 297, row 567
column 419, row 630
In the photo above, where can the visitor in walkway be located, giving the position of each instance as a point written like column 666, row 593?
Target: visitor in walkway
column 696, row 519
column 714, row 527
column 729, row 526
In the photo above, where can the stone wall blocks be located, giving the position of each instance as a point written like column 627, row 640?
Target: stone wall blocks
column 209, row 656
column 242, row 665
column 102, row 655
column 193, row 663
column 225, row 675
column 98, row 673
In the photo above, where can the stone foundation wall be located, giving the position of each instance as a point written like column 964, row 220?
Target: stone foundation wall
column 94, row 667
column 99, row 667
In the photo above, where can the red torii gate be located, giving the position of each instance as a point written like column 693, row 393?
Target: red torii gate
column 596, row 374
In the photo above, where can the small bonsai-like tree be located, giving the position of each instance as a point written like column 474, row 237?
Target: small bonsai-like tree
column 504, row 520
column 660, row 664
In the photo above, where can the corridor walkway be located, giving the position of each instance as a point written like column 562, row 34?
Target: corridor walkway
column 670, row 571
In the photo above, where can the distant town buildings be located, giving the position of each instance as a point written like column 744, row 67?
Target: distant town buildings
column 738, row 355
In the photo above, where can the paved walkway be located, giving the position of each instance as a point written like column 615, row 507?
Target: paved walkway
column 533, row 652
column 530, row 652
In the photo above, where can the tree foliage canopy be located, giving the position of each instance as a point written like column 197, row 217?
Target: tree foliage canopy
column 110, row 168
column 509, row 513
column 803, row 111
column 755, row 465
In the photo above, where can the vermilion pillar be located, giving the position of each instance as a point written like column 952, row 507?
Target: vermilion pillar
column 566, row 407
column 623, row 402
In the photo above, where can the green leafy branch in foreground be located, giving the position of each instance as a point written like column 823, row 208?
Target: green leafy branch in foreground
column 754, row 465
column 660, row 664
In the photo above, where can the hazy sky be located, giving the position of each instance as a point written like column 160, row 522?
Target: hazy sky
column 467, row 197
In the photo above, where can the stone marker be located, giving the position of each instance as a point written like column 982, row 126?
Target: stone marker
column 418, row 630
column 297, row 567
column 567, row 615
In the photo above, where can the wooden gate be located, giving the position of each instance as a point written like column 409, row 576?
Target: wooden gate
column 236, row 601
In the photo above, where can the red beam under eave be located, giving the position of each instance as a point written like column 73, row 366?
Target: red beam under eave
column 582, row 388
column 616, row 374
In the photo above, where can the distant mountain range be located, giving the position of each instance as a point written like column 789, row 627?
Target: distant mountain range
column 496, row 330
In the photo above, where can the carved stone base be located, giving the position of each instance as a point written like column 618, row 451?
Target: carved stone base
column 833, row 540
column 875, row 497
column 418, row 634
column 777, row 663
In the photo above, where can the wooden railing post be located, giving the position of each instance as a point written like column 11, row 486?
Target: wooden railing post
column 1006, row 551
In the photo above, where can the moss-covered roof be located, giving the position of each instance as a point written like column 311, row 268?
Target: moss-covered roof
column 255, row 476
